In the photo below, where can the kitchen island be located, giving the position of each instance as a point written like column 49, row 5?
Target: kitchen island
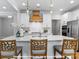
column 25, row 43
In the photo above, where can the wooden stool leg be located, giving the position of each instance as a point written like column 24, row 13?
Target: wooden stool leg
column 21, row 53
column 46, row 57
column 54, row 53
column 62, row 57
column 75, row 56
column 31, row 57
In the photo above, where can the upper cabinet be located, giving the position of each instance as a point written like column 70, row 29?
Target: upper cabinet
column 24, row 19
column 36, row 16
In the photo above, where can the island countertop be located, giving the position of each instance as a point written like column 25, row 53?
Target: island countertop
column 28, row 38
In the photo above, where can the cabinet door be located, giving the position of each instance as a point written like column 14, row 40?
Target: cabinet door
column 46, row 20
column 24, row 19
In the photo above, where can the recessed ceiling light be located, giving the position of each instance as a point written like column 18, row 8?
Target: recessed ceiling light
column 61, row 9
column 4, row 7
column 51, row 5
column 37, row 4
column 51, row 12
column 9, row 16
column 72, row 1
column 27, row 11
column 23, row 4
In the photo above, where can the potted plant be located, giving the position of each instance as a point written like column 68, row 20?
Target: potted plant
column 45, row 30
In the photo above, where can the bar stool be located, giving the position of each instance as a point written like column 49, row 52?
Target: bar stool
column 68, row 48
column 38, row 48
column 8, row 49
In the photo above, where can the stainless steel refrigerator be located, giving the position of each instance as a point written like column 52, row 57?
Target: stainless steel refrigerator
column 73, row 29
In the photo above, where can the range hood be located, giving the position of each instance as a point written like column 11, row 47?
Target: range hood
column 36, row 16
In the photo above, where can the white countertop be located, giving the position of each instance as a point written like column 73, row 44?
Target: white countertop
column 28, row 37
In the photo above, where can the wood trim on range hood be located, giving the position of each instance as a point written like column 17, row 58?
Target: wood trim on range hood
column 36, row 16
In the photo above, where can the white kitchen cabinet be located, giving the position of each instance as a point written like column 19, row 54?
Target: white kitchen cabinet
column 47, row 22
column 24, row 19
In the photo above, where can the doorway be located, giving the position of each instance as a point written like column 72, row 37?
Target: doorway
column 56, row 27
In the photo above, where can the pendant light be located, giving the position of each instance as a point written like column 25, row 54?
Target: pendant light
column 27, row 7
column 51, row 6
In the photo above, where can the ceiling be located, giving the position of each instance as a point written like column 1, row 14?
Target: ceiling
column 5, row 6
column 16, row 5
